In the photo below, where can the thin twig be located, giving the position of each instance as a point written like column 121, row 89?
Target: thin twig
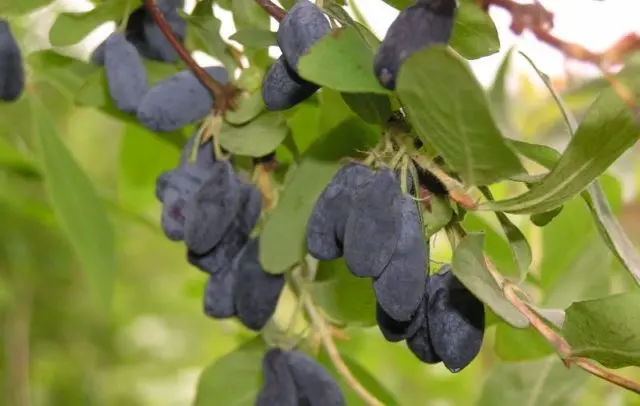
column 223, row 95
column 558, row 342
column 539, row 21
column 272, row 9
column 327, row 341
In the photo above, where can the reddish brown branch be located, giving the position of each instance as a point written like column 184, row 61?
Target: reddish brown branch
column 273, row 10
column 539, row 21
column 223, row 95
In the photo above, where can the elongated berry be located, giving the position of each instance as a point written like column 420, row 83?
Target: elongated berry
column 326, row 225
column 456, row 320
column 278, row 387
column 304, row 25
column 212, row 209
column 282, row 88
column 12, row 77
column 316, row 387
column 218, row 295
column 394, row 330
column 178, row 100
column 126, row 75
column 373, row 226
column 425, row 23
column 256, row 291
column 400, row 288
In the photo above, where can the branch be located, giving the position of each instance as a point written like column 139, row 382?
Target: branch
column 455, row 189
column 273, row 10
column 535, row 18
column 562, row 347
column 330, row 346
column 223, row 95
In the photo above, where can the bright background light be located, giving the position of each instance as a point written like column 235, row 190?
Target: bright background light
column 595, row 24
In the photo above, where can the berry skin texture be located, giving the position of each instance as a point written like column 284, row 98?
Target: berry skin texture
column 373, row 226
column 400, row 288
column 421, row 346
column 185, row 181
column 316, row 387
column 11, row 65
column 456, row 320
column 212, row 209
column 425, row 23
column 178, row 100
column 256, row 291
column 282, row 88
column 205, row 156
column 304, row 25
column 126, row 75
column 235, row 237
column 162, row 182
column 393, row 330
column 278, row 387
column 325, row 229
column 218, row 295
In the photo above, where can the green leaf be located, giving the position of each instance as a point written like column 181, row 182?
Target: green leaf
column 12, row 160
column 235, row 379
column 606, row 330
column 249, row 106
column 520, row 344
column 458, row 121
column 283, row 239
column 474, row 34
column 437, row 215
column 372, row 108
column 499, row 95
column 540, row 383
column 255, row 38
column 203, row 33
column 22, row 6
column 248, row 14
column 257, row 138
column 608, row 226
column 71, row 28
column 607, row 131
column 469, row 266
column 79, row 210
column 143, row 156
column 343, row 61
column 344, row 297
column 517, row 241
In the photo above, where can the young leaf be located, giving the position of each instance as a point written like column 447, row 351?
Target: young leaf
column 449, row 110
column 498, row 95
column 282, row 241
column 257, row 138
column 341, row 60
column 540, row 383
column 474, row 34
column 469, row 266
column 234, row 379
column 606, row 329
column 79, row 210
column 608, row 130
column 343, row 296
column 255, row 38
column 249, row 106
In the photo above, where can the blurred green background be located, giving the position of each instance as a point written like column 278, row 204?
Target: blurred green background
column 60, row 348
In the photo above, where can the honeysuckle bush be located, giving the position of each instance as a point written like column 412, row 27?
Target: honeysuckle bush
column 82, row 177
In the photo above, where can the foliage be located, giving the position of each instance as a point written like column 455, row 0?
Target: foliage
column 94, row 299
